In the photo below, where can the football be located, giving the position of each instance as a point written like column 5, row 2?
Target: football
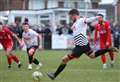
column 37, row 75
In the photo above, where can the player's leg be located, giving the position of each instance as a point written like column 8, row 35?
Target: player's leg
column 30, row 57
column 112, row 58
column 75, row 54
column 10, row 55
column 16, row 59
column 60, row 68
column 31, row 51
column 35, row 60
column 9, row 58
column 103, row 57
column 100, row 52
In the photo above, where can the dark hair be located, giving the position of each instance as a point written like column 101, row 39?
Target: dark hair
column 1, row 23
column 26, row 20
column 100, row 15
column 74, row 12
column 25, row 23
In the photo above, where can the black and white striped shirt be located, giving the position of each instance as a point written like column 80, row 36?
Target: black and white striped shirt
column 80, row 40
column 79, row 31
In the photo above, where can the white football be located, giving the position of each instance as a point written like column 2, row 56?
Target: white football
column 37, row 75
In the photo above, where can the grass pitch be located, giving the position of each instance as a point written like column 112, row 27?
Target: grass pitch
column 83, row 69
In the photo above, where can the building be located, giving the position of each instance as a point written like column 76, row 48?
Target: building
column 95, row 3
column 13, row 5
column 46, row 4
column 112, row 10
column 42, row 4
column 54, row 12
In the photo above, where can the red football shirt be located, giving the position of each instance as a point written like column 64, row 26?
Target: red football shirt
column 5, row 35
column 104, row 32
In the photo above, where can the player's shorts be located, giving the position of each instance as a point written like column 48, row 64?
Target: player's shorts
column 79, row 50
column 104, row 44
column 7, row 45
column 34, row 46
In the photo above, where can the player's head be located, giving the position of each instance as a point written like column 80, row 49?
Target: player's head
column 101, row 17
column 74, row 14
column 25, row 27
column 1, row 25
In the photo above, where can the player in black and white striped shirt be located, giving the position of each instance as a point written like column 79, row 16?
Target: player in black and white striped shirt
column 81, row 43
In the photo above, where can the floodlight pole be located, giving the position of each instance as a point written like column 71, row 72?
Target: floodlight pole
column 116, row 10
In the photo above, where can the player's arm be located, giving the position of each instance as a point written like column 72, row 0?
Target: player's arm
column 91, row 19
column 39, row 41
column 18, row 39
column 13, row 34
column 95, row 36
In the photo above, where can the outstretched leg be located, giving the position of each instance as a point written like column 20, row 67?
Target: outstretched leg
column 101, row 52
column 62, row 66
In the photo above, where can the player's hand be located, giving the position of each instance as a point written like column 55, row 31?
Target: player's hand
column 21, row 45
column 107, row 45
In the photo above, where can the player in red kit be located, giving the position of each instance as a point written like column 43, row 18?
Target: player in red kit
column 7, row 43
column 103, row 29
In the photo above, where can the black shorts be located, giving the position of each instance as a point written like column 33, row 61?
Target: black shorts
column 79, row 50
column 35, row 47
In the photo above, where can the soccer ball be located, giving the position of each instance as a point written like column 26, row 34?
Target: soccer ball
column 37, row 75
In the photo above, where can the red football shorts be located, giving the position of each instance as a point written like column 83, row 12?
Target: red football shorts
column 7, row 45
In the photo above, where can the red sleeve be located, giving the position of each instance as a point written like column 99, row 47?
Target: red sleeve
column 109, row 38
column 8, row 31
column 96, row 34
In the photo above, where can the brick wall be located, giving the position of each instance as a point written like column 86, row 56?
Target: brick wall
column 13, row 4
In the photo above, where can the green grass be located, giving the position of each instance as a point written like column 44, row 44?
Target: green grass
column 80, row 70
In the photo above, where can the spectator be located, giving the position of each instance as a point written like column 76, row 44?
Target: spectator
column 15, row 28
column 47, row 37
column 59, row 30
column 47, row 30
column 26, row 20
column 116, row 35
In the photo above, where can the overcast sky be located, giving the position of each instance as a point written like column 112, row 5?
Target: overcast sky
column 107, row 1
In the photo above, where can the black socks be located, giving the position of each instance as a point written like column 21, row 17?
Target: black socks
column 30, row 59
column 101, row 52
column 60, row 69
column 35, row 61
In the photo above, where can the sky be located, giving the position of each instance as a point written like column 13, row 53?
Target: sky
column 107, row 1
